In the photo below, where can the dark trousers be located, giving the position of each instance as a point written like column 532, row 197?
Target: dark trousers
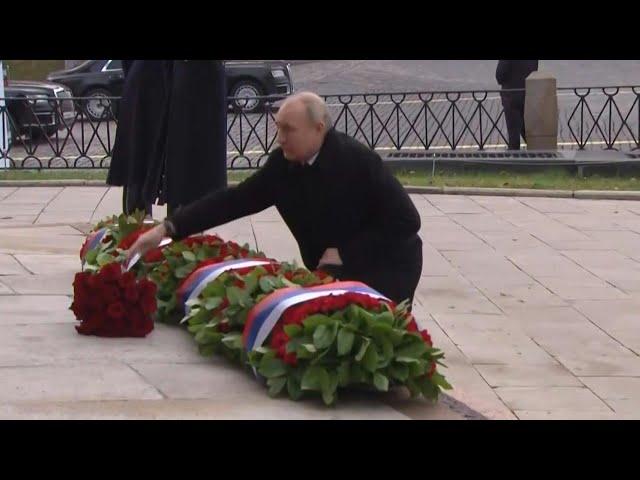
column 397, row 282
column 513, row 104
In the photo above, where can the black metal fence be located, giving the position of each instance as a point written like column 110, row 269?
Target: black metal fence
column 75, row 133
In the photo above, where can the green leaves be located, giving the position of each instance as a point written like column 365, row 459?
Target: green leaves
column 276, row 385
column 212, row 303
column 233, row 341
column 237, row 296
column 103, row 259
column 363, row 349
column 207, row 335
column 271, row 367
column 184, row 270
column 189, row 256
column 319, row 379
column 381, row 382
column 314, row 377
column 313, row 321
column 439, row 380
column 399, row 371
column 293, row 388
column 414, row 350
column 292, row 331
column 91, row 256
column 345, row 341
column 306, row 350
column 343, row 374
column 324, row 336
column 267, row 284
column 370, row 359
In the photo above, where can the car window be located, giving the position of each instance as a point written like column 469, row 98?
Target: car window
column 114, row 65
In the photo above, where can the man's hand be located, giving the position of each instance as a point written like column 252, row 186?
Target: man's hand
column 331, row 256
column 147, row 241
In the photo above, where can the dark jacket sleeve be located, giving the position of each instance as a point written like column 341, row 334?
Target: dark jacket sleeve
column 502, row 71
column 253, row 195
column 395, row 218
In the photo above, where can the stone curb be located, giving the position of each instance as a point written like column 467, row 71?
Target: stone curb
column 498, row 192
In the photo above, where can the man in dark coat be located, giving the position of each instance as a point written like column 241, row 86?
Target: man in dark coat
column 511, row 74
column 171, row 139
column 343, row 206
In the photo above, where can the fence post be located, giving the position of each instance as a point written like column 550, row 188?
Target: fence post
column 541, row 112
column 5, row 137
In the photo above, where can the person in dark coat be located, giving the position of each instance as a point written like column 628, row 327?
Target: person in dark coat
column 196, row 132
column 343, row 206
column 171, row 140
column 511, row 74
column 135, row 163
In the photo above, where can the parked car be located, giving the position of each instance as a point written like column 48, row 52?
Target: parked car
column 98, row 79
column 37, row 108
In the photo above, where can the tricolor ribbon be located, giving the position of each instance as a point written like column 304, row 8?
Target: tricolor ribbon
column 200, row 278
column 93, row 240
column 265, row 314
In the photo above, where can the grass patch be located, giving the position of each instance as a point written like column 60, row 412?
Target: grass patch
column 552, row 179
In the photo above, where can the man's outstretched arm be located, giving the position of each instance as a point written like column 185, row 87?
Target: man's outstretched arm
column 251, row 196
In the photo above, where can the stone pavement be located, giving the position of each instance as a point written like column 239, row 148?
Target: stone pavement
column 533, row 300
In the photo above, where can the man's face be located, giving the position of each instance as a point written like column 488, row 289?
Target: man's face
column 298, row 136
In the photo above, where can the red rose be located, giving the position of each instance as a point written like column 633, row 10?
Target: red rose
column 426, row 337
column 239, row 284
column 290, row 359
column 127, row 280
column 282, row 351
column 149, row 305
column 412, row 326
column 279, row 339
column 432, row 370
column 80, row 280
column 140, row 324
column 110, row 272
column 110, row 295
column 107, row 239
column 94, row 282
column 147, row 288
column 224, row 327
column 131, row 294
column 116, row 311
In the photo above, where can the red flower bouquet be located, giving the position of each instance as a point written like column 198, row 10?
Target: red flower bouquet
column 112, row 303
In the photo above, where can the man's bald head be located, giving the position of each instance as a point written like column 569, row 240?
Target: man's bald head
column 303, row 120
column 313, row 105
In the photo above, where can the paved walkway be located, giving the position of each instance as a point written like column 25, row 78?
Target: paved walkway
column 535, row 302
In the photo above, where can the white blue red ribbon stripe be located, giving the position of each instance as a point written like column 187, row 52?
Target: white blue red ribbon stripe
column 265, row 315
column 93, row 240
column 200, row 278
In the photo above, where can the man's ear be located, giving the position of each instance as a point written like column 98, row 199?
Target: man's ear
column 320, row 126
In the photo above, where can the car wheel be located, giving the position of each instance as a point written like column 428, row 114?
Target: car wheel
column 247, row 88
column 96, row 107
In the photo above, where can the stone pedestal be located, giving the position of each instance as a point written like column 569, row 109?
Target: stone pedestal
column 541, row 112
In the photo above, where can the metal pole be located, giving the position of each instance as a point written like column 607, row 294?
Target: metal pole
column 4, row 123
